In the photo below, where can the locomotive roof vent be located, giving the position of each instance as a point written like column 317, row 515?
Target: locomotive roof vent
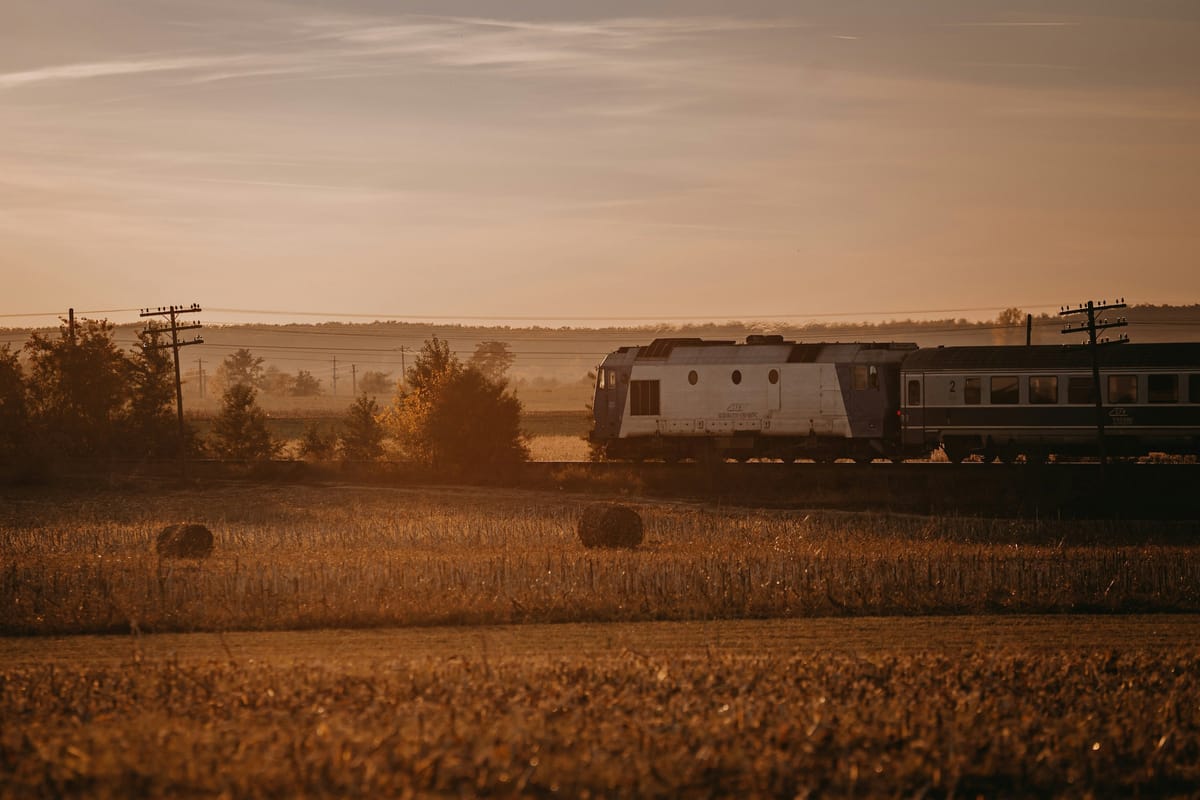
column 765, row 338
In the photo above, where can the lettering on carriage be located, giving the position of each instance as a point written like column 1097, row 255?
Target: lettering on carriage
column 1119, row 416
column 737, row 411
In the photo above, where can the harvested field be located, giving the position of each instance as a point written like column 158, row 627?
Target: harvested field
column 877, row 711
column 313, row 557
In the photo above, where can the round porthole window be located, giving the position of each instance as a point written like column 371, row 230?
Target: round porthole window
column 773, row 376
column 736, row 376
column 693, row 377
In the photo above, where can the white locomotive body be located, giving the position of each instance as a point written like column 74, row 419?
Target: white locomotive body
column 690, row 398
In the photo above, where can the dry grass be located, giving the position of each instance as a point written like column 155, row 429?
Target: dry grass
column 558, row 448
column 305, row 557
column 634, row 724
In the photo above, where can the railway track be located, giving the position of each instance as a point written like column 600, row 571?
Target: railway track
column 1121, row 490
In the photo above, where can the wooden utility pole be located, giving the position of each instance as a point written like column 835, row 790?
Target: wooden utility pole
column 172, row 314
column 335, row 376
column 354, row 379
column 1093, row 343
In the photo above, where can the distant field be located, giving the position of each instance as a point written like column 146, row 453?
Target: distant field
column 1069, row 706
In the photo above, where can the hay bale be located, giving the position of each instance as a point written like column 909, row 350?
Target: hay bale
column 185, row 540
column 610, row 525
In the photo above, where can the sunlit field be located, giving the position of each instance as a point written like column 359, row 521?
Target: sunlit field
column 317, row 670
column 309, row 557
column 1000, row 722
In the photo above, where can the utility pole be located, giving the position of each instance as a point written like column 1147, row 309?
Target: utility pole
column 1093, row 343
column 172, row 314
column 335, row 376
column 403, row 368
column 70, row 324
column 354, row 379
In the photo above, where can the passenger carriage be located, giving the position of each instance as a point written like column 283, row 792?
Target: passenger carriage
column 1000, row 402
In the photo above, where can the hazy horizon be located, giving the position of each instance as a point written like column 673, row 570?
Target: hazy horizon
column 689, row 161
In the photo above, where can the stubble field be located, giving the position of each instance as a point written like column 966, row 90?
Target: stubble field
column 735, row 653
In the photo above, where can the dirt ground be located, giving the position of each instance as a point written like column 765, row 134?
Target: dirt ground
column 786, row 637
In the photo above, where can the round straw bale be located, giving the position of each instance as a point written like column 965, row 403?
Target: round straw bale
column 610, row 525
column 185, row 540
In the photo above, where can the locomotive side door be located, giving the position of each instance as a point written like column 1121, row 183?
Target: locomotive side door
column 774, row 389
column 913, row 417
column 866, row 395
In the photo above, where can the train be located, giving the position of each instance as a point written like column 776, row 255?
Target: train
column 679, row 399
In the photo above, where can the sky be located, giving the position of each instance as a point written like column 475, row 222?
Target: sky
column 596, row 163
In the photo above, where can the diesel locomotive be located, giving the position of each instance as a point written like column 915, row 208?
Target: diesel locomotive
column 688, row 398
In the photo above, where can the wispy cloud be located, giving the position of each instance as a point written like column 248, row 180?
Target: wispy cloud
column 353, row 46
column 1014, row 24
column 105, row 69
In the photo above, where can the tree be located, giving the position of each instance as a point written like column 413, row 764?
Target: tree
column 373, row 382
column 315, row 444
column 149, row 425
column 276, row 382
column 1010, row 324
column 77, row 388
column 456, row 418
column 493, row 359
column 474, row 425
column 1010, row 317
column 306, row 385
column 240, row 430
column 362, row 437
column 433, row 363
column 241, row 368
column 14, row 418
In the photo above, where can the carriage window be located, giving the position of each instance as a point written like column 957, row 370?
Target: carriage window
column 693, row 377
column 873, row 376
column 773, row 376
column 1122, row 388
column 643, row 398
column 914, row 393
column 1194, row 388
column 860, row 376
column 1006, row 390
column 972, row 391
column 1043, row 389
column 1080, row 390
column 600, row 380
column 736, row 377
column 1162, row 388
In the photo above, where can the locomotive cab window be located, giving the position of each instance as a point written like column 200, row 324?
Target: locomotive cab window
column 1043, row 389
column 643, row 398
column 1006, row 390
column 1122, row 388
column 914, row 393
column 866, row 376
column 972, row 391
column 1162, row 388
column 1081, row 390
